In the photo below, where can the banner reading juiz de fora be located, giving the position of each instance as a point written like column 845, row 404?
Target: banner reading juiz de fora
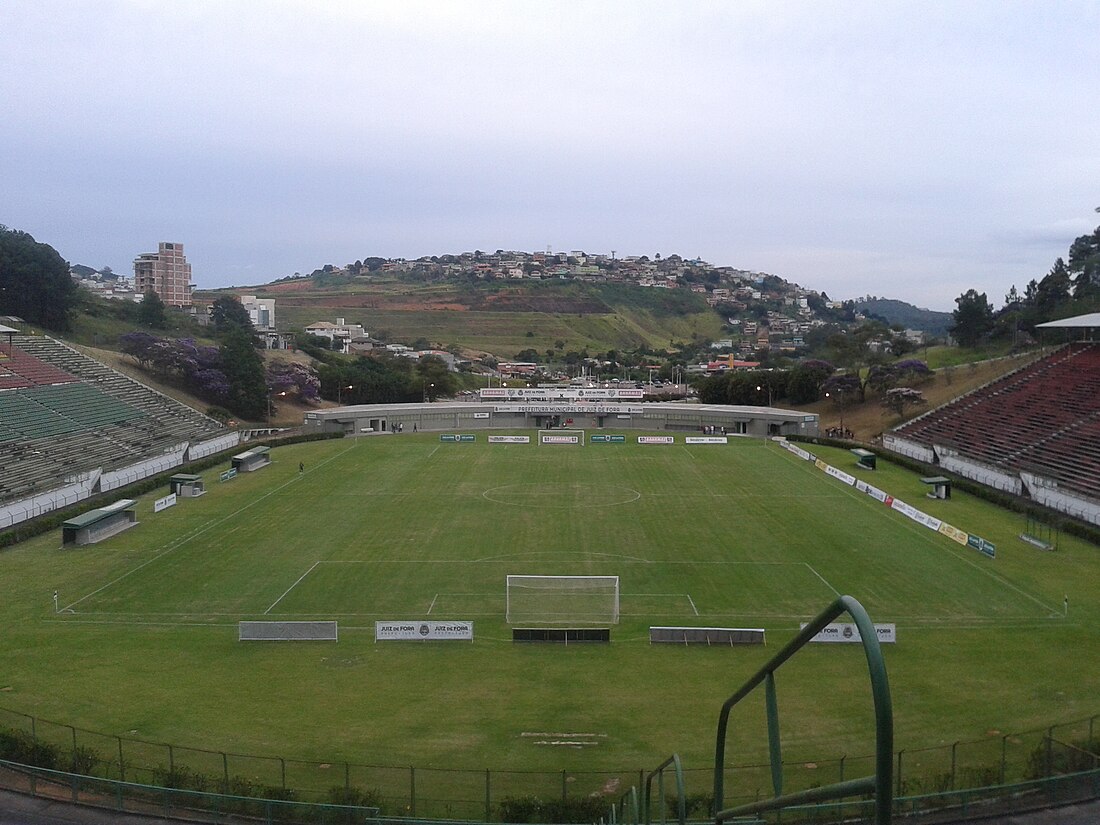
column 844, row 632
column 423, row 631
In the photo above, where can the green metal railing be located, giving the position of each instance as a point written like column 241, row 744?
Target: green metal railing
column 629, row 811
column 879, row 783
column 132, row 797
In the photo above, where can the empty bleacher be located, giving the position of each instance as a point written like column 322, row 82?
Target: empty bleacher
column 19, row 369
column 71, row 414
column 1043, row 419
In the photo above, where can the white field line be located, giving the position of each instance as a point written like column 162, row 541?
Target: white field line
column 437, row 446
column 926, row 537
column 196, row 534
column 691, row 601
column 299, row 581
column 436, row 596
column 823, row 580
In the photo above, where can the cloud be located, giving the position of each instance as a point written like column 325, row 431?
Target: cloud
column 905, row 149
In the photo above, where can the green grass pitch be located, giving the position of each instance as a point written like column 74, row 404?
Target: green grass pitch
column 406, row 527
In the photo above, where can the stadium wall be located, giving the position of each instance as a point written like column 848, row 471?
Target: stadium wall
column 909, row 448
column 953, row 461
column 1046, row 492
column 15, row 512
column 1042, row 491
column 114, row 479
column 95, row 481
column 758, row 422
column 216, row 445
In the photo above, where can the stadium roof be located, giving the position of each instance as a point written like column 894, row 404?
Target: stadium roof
column 1076, row 322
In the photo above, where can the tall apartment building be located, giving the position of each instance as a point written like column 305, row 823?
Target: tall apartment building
column 165, row 272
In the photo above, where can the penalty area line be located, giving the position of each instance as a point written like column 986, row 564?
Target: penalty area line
column 299, row 581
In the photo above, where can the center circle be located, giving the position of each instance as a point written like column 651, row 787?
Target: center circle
column 561, row 495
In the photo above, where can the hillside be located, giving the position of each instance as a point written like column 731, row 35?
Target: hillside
column 893, row 312
column 502, row 318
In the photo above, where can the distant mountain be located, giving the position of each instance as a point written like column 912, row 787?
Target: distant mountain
column 899, row 312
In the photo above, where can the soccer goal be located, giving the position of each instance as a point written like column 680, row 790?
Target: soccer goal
column 574, row 438
column 562, row 600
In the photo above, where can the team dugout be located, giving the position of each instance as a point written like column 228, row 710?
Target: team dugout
column 759, row 422
column 99, row 524
column 255, row 459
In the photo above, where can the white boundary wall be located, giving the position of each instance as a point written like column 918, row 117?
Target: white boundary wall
column 1048, row 493
column 909, row 448
column 15, row 512
column 216, row 445
column 967, row 468
column 143, row 469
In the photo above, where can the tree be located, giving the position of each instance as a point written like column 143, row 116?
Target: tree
column 804, row 380
column 244, row 370
column 973, row 318
column 34, row 281
column 228, row 313
column 152, row 313
column 1084, row 263
column 434, row 378
column 1053, row 291
column 897, row 400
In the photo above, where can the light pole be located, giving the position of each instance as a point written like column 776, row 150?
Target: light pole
column 269, row 405
column 759, row 388
column 840, row 403
column 340, row 392
column 427, row 392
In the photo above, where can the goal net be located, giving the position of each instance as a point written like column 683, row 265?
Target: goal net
column 562, row 600
column 562, row 437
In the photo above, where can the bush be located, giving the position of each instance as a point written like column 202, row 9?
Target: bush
column 533, row 809
column 1056, row 758
column 19, row 746
column 356, row 797
column 182, row 778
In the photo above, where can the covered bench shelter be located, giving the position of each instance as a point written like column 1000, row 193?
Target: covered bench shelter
column 865, row 458
column 97, row 525
column 941, row 487
column 186, row 485
column 255, row 459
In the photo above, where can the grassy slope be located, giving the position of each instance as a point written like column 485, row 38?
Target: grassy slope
column 611, row 316
column 869, row 419
column 980, row 649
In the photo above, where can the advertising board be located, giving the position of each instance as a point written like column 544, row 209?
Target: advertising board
column 656, row 439
column 848, row 632
column 706, row 439
column 509, row 439
column 422, row 631
column 164, row 503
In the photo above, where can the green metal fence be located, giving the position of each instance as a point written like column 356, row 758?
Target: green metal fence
column 998, row 760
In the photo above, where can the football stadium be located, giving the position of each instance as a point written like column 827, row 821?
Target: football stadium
column 519, row 609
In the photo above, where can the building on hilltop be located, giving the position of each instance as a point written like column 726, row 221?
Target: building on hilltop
column 165, row 272
column 340, row 335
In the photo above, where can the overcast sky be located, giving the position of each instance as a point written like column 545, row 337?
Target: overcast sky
column 908, row 150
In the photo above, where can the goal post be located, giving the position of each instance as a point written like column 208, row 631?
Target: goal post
column 573, row 438
column 562, row 600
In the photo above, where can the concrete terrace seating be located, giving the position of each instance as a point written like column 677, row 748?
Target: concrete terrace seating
column 99, row 419
column 1044, row 419
column 18, row 369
